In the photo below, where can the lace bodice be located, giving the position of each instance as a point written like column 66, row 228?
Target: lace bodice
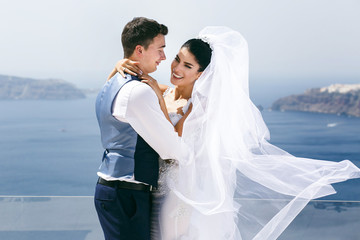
column 175, row 117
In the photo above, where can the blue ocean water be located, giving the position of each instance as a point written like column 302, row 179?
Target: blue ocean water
column 49, row 147
column 53, row 148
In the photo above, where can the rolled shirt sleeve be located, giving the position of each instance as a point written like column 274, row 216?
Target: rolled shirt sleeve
column 144, row 114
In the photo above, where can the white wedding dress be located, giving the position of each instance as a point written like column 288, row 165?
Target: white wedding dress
column 228, row 167
column 170, row 215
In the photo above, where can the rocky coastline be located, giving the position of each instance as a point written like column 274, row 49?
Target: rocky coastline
column 19, row 88
column 341, row 99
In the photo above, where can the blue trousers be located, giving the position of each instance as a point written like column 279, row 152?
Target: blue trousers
column 123, row 213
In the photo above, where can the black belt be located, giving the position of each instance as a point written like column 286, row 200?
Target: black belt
column 125, row 185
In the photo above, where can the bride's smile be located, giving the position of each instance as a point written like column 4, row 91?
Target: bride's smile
column 184, row 69
column 177, row 76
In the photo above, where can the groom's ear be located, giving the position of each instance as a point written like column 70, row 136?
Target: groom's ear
column 139, row 50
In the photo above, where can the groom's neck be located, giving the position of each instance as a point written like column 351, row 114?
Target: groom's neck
column 140, row 63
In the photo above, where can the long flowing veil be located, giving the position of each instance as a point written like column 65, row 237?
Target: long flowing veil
column 231, row 165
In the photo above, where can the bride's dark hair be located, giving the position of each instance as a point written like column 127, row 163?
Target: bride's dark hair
column 201, row 50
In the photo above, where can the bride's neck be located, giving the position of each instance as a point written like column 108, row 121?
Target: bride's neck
column 183, row 92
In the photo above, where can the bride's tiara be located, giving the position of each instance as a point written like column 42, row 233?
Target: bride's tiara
column 207, row 39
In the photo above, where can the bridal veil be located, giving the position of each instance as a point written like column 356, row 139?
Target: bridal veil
column 231, row 165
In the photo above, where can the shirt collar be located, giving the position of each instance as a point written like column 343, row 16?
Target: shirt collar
column 129, row 77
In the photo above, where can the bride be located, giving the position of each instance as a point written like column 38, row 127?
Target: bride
column 228, row 165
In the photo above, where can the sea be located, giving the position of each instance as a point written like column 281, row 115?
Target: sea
column 53, row 148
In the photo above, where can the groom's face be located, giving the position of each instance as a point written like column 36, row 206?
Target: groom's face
column 153, row 55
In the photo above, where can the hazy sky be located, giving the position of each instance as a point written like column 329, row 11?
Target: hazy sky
column 293, row 44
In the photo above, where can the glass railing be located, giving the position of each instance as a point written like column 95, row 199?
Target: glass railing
column 48, row 218
column 319, row 220
column 330, row 220
column 74, row 218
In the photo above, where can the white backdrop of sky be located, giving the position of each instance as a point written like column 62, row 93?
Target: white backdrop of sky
column 293, row 44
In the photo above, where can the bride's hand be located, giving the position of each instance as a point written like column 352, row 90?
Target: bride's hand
column 128, row 66
column 152, row 83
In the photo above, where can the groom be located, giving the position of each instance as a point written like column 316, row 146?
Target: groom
column 133, row 132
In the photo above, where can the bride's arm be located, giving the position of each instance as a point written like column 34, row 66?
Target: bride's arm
column 159, row 93
column 163, row 87
column 180, row 123
column 131, row 67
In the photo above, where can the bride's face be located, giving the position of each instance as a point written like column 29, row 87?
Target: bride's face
column 184, row 69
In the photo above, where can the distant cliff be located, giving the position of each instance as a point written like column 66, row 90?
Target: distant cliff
column 13, row 88
column 336, row 99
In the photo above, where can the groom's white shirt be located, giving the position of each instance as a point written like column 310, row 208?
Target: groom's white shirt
column 138, row 105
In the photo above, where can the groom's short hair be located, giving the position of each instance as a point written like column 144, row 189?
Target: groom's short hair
column 140, row 31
